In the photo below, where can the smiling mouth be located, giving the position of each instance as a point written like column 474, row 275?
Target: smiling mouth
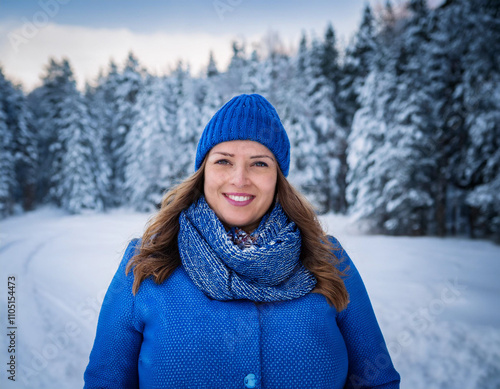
column 237, row 199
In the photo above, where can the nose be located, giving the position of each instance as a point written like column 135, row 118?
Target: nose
column 239, row 177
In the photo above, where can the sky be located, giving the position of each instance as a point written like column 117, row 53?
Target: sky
column 90, row 33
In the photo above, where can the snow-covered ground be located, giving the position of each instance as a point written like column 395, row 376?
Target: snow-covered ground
column 437, row 300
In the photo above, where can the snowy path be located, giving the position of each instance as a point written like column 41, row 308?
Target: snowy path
column 436, row 299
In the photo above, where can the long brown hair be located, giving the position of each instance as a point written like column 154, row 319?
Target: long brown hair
column 159, row 255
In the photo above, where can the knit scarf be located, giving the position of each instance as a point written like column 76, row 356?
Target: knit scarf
column 270, row 270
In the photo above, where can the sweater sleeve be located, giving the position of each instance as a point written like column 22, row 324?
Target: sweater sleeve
column 114, row 358
column 370, row 364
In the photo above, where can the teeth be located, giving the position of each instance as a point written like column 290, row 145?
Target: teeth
column 239, row 198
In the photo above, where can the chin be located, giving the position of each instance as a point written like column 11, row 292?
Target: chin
column 239, row 223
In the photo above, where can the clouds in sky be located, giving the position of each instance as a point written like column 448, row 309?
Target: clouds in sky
column 91, row 49
column 90, row 32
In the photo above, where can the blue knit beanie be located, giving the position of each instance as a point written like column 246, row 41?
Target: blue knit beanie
column 247, row 117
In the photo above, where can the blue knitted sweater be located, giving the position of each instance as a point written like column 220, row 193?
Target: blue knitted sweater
column 173, row 336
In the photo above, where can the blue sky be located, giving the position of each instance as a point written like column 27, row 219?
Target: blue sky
column 91, row 32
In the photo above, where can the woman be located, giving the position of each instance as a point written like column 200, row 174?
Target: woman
column 234, row 284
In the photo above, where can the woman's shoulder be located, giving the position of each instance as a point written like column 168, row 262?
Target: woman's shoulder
column 148, row 285
column 344, row 261
column 132, row 249
column 334, row 241
column 350, row 274
column 123, row 274
column 134, row 245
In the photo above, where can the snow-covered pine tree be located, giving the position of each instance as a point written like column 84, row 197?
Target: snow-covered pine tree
column 357, row 64
column 410, row 162
column 161, row 144
column 46, row 103
column 408, row 166
column 336, row 142
column 209, row 100
column 329, row 61
column 83, row 175
column 103, row 110
column 483, row 166
column 296, row 116
column 25, row 150
column 329, row 186
column 429, row 67
column 232, row 79
column 79, row 175
column 451, row 33
column 207, row 96
column 24, row 142
column 368, row 146
column 277, row 70
column 255, row 79
column 391, row 147
column 302, row 54
column 274, row 71
column 367, row 151
column 188, row 125
column 124, row 87
column 149, row 147
column 69, row 144
column 479, row 169
column 98, row 143
column 212, row 70
column 7, row 163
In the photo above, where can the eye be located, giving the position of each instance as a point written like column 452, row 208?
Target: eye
column 261, row 164
column 222, row 162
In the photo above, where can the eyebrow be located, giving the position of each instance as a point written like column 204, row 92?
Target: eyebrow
column 262, row 156
column 252, row 157
column 223, row 153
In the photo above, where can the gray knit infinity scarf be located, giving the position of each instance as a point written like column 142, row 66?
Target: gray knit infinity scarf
column 270, row 270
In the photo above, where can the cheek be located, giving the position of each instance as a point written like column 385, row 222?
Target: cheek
column 212, row 184
column 210, row 195
column 269, row 187
column 208, row 188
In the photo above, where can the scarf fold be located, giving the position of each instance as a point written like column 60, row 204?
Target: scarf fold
column 270, row 270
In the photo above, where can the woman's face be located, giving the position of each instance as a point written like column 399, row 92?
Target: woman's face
column 240, row 180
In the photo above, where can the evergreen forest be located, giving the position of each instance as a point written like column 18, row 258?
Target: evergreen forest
column 400, row 129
